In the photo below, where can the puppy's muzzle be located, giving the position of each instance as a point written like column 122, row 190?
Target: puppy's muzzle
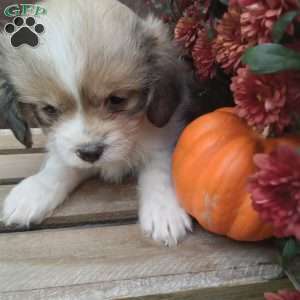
column 90, row 152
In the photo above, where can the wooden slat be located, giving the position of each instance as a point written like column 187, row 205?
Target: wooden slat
column 243, row 292
column 9, row 142
column 111, row 262
column 16, row 162
column 17, row 166
column 93, row 202
column 95, row 292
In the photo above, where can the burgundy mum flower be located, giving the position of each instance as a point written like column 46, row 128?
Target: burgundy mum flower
column 186, row 31
column 266, row 101
column 229, row 44
column 283, row 295
column 258, row 18
column 203, row 56
column 241, row 2
column 275, row 190
column 187, row 27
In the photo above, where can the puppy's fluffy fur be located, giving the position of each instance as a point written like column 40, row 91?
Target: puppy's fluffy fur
column 101, row 77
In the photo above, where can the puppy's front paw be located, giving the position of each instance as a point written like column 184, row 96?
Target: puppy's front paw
column 29, row 202
column 165, row 221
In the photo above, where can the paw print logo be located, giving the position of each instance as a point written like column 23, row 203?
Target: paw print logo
column 24, row 31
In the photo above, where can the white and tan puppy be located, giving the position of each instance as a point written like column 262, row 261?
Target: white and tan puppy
column 108, row 88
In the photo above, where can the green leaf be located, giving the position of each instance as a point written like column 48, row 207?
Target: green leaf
column 271, row 58
column 280, row 243
column 282, row 24
column 290, row 249
column 225, row 2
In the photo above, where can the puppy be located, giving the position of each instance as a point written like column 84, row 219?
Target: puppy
column 109, row 90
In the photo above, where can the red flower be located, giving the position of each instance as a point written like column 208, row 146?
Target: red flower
column 186, row 31
column 229, row 44
column 266, row 101
column 283, row 295
column 275, row 190
column 203, row 56
column 241, row 2
column 258, row 18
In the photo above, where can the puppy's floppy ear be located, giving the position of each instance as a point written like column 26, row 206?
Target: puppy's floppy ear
column 12, row 112
column 164, row 98
column 166, row 85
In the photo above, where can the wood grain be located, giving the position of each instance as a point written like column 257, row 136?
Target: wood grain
column 16, row 162
column 105, row 291
column 93, row 202
column 243, row 292
column 9, row 142
column 17, row 166
column 118, row 262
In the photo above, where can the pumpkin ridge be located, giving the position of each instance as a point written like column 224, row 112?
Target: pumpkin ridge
column 257, row 147
column 234, row 150
column 187, row 137
column 246, row 231
column 196, row 162
column 215, row 144
column 190, row 130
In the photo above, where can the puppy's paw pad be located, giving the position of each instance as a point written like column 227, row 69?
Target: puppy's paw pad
column 165, row 224
column 27, row 203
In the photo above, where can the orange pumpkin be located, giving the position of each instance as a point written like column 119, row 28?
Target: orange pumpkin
column 211, row 166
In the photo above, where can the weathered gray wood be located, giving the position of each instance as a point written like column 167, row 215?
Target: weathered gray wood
column 105, row 291
column 93, row 202
column 9, row 142
column 15, row 161
column 17, row 166
column 118, row 261
column 243, row 292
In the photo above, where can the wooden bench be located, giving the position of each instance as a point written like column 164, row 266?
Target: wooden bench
column 92, row 248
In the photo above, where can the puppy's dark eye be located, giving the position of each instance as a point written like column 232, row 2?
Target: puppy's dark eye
column 116, row 104
column 50, row 110
column 115, row 100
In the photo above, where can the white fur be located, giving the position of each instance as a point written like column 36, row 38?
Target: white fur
column 161, row 216
column 36, row 197
column 70, row 51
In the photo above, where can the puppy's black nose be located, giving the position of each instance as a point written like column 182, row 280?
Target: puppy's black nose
column 90, row 153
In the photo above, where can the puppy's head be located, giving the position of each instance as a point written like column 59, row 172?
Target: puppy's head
column 98, row 75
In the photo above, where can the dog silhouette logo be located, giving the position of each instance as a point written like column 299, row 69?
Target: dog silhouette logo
column 24, row 31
